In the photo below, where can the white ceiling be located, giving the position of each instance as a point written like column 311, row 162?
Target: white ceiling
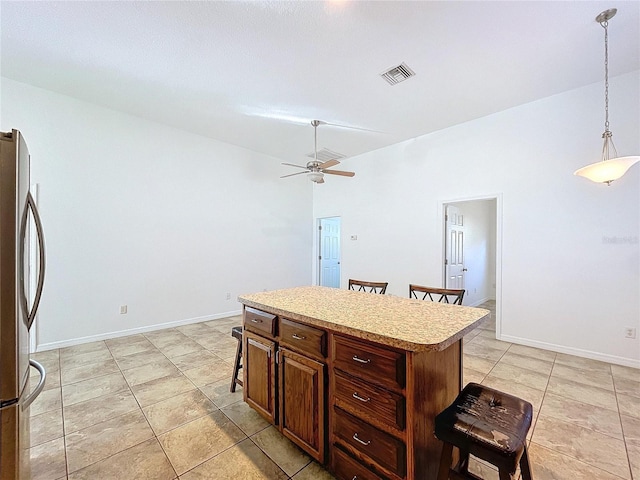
column 222, row 69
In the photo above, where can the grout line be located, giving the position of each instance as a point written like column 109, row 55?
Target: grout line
column 624, row 436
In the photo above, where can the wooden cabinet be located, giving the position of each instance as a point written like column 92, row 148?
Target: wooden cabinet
column 382, row 405
column 307, row 340
column 302, row 401
column 369, row 409
column 260, row 375
column 365, row 408
column 368, row 401
column 285, row 377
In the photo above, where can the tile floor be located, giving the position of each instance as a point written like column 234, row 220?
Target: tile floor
column 157, row 406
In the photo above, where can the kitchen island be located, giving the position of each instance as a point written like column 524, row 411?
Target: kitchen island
column 355, row 379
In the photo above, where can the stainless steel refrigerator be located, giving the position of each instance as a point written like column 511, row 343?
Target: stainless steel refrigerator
column 19, row 220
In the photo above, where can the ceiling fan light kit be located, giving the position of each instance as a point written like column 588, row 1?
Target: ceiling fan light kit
column 315, row 169
column 316, row 177
column 611, row 167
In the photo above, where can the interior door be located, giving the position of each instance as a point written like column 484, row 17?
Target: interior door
column 329, row 249
column 454, row 248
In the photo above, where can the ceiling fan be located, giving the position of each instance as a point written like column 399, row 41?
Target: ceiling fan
column 315, row 169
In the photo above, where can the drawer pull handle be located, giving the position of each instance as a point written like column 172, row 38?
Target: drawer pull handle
column 255, row 320
column 298, row 337
column 355, row 357
column 355, row 477
column 355, row 437
column 362, row 399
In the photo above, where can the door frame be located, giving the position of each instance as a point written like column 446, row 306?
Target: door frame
column 318, row 262
column 499, row 209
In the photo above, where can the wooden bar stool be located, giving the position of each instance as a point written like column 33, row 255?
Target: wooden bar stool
column 447, row 295
column 236, row 332
column 371, row 287
column 489, row 424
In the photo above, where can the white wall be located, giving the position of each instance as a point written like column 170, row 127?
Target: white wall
column 479, row 250
column 158, row 219
column 563, row 285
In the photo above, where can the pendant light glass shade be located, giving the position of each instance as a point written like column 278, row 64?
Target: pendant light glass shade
column 607, row 171
column 611, row 167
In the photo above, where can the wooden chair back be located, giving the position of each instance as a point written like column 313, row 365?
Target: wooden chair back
column 443, row 295
column 371, row 287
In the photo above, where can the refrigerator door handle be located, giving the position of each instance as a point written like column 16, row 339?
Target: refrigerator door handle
column 36, row 391
column 42, row 261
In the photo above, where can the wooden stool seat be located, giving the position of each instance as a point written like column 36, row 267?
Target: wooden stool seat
column 489, row 424
column 236, row 332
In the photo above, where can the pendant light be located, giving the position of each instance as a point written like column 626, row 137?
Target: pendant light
column 611, row 167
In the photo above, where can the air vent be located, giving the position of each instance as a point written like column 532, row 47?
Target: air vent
column 397, row 74
column 325, row 155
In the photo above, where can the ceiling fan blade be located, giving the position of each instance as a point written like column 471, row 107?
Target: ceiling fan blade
column 292, row 174
column 328, row 163
column 321, row 122
column 339, row 172
column 293, row 165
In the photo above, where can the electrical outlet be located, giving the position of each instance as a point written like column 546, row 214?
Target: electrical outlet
column 228, row 296
column 123, row 309
column 630, row 332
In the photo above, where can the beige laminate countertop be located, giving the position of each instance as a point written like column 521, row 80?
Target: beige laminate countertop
column 408, row 324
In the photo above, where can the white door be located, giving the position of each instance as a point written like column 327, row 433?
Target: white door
column 454, row 248
column 329, row 249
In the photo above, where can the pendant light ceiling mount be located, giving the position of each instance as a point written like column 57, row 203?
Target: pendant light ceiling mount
column 606, row 15
column 611, row 167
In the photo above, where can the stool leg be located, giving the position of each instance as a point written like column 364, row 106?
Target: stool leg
column 463, row 463
column 525, row 468
column 236, row 367
column 504, row 475
column 445, row 461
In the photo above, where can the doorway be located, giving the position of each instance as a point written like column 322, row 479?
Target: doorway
column 471, row 254
column 329, row 252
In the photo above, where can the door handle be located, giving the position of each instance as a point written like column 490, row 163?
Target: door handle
column 360, row 360
column 36, row 391
column 464, row 269
column 362, row 442
column 362, row 399
column 42, row 261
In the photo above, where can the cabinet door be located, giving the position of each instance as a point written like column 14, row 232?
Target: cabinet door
column 260, row 375
column 302, row 404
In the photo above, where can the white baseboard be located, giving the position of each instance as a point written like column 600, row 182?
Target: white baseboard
column 132, row 331
column 578, row 352
column 480, row 302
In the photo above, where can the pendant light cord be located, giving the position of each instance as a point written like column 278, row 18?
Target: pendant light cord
column 608, row 147
column 605, row 24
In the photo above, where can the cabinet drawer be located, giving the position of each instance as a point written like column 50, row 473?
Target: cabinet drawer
column 303, row 338
column 368, row 401
column 347, row 468
column 259, row 322
column 376, row 364
column 382, row 448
